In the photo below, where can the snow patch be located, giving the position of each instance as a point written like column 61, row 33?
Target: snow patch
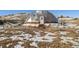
column 18, row 46
column 63, row 33
column 21, row 43
column 34, row 44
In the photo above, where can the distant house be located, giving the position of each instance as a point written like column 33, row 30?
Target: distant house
column 40, row 18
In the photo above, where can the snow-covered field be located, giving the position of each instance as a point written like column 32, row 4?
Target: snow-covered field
column 40, row 38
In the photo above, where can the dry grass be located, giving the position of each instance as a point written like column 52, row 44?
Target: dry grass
column 55, row 44
column 58, row 44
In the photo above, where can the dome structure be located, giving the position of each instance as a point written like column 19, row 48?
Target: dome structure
column 48, row 17
column 40, row 17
